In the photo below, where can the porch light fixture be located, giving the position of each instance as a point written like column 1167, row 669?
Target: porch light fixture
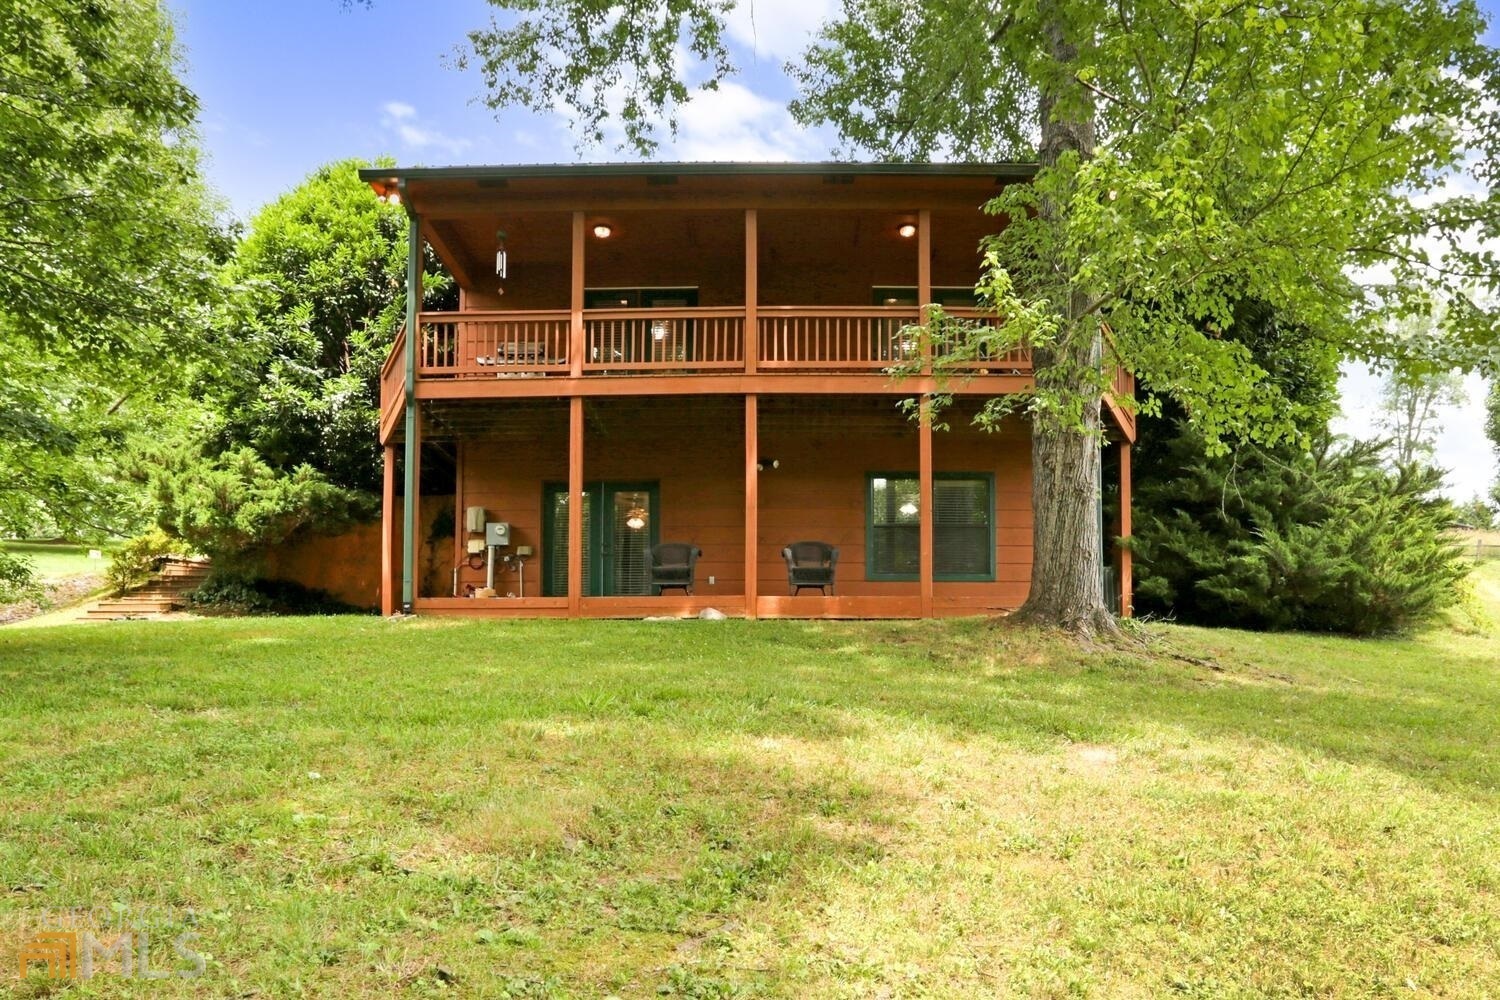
column 907, row 230
column 635, row 518
column 763, row 464
column 602, row 231
column 658, row 331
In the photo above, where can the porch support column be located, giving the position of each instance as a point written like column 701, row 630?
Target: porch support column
column 388, row 532
column 413, row 445
column 924, row 502
column 1127, row 585
column 575, row 505
column 752, row 505
column 924, row 283
column 752, row 292
column 576, row 339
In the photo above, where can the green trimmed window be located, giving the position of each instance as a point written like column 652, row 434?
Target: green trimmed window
column 963, row 526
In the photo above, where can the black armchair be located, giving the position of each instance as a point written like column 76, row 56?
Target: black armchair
column 673, row 565
column 810, row 564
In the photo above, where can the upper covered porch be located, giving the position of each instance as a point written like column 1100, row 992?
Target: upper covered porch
column 647, row 279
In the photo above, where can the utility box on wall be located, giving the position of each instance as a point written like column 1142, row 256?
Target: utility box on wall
column 474, row 520
column 497, row 533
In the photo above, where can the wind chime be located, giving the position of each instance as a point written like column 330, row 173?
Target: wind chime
column 500, row 259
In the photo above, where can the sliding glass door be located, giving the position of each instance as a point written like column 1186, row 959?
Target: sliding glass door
column 616, row 551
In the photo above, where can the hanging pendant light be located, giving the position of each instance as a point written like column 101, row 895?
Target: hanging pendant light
column 635, row 518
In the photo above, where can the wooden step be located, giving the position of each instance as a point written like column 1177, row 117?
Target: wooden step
column 135, row 607
column 164, row 592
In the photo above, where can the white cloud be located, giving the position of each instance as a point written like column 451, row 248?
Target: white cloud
column 735, row 123
column 778, row 29
column 401, row 119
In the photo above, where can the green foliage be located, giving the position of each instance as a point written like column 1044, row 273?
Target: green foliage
column 1476, row 512
column 232, row 506
column 102, row 218
column 109, row 243
column 1330, row 540
column 1244, row 155
column 316, row 295
column 626, row 78
column 137, row 558
column 17, row 578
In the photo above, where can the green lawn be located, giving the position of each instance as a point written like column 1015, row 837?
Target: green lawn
column 356, row 807
column 55, row 560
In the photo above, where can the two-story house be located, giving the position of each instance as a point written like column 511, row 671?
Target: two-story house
column 658, row 371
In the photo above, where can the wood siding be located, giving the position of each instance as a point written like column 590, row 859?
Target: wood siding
column 694, row 449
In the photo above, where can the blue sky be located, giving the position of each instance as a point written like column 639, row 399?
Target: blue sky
column 287, row 85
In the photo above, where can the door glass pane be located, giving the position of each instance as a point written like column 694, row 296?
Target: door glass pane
column 557, row 545
column 630, row 542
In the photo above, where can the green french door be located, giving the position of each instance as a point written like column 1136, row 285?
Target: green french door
column 619, row 528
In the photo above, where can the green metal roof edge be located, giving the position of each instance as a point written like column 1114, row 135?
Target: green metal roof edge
column 519, row 170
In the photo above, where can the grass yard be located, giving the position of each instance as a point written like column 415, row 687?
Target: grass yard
column 354, row 807
column 57, row 560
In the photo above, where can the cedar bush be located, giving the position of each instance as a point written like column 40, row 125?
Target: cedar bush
column 233, row 506
column 1325, row 539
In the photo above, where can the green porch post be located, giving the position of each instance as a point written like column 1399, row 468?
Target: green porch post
column 413, row 334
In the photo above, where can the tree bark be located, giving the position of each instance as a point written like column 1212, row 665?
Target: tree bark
column 1067, row 589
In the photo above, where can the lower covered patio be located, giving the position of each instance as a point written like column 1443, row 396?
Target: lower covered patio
column 736, row 480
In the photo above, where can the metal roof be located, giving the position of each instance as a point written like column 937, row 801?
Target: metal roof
column 714, row 168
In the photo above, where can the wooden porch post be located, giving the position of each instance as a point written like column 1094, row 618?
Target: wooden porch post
column 575, row 505
column 576, row 340
column 387, row 533
column 752, row 505
column 925, row 505
column 1127, row 585
column 752, row 292
column 410, row 518
column 924, row 282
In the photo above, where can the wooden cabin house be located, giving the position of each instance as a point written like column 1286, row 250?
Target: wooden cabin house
column 652, row 371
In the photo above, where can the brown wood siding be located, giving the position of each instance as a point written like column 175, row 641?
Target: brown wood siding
column 694, row 449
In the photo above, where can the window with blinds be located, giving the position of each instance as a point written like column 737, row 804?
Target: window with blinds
column 963, row 526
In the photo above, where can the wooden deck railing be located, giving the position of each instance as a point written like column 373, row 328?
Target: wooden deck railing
column 830, row 339
column 494, row 343
column 789, row 339
column 664, row 340
column 992, row 361
column 821, row 338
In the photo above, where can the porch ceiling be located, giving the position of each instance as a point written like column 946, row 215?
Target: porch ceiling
column 527, row 421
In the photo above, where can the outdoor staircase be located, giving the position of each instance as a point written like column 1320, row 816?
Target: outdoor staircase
column 164, row 592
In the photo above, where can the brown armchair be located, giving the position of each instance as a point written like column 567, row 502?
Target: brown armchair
column 673, row 565
column 810, row 564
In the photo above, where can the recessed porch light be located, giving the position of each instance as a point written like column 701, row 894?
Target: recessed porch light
column 602, row 231
column 907, row 230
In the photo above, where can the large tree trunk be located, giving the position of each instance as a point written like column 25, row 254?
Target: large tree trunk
column 1067, row 589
